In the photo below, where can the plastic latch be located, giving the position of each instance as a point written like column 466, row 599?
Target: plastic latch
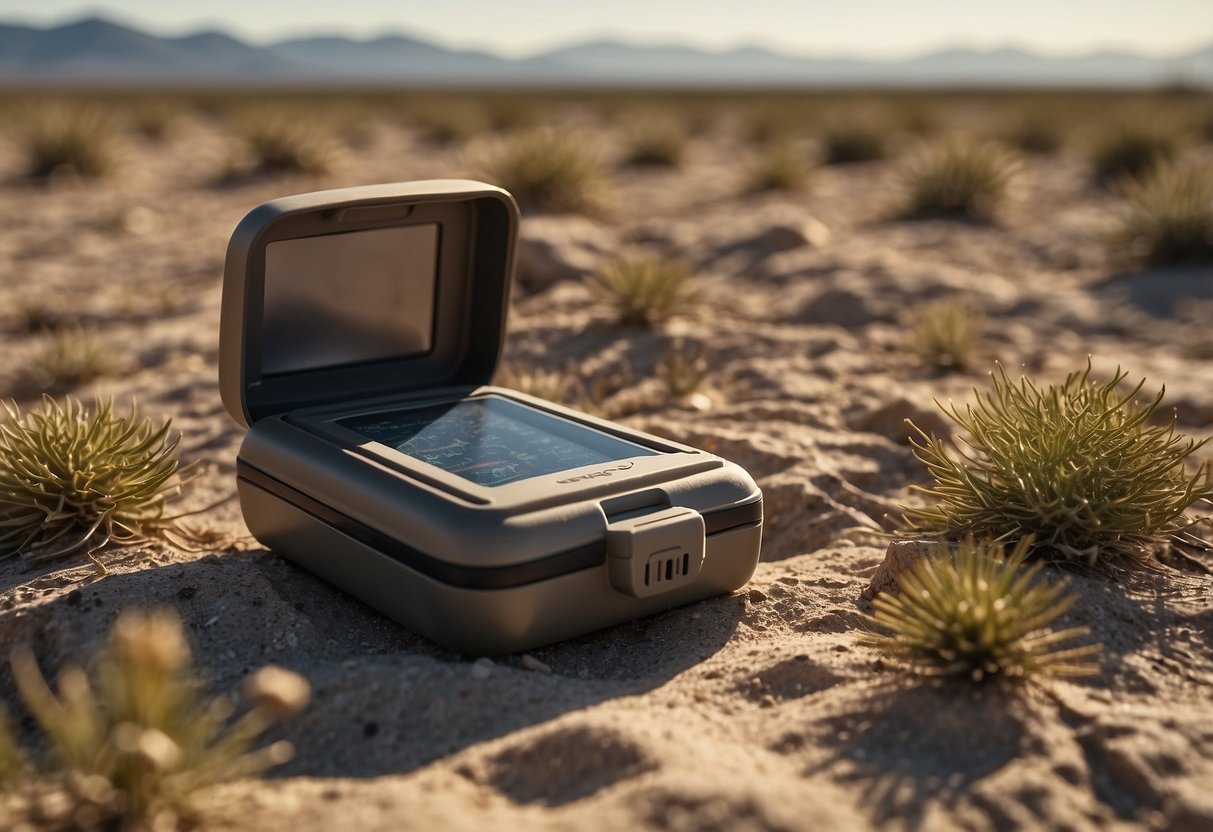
column 655, row 553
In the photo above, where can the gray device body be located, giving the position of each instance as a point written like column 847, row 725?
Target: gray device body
column 307, row 343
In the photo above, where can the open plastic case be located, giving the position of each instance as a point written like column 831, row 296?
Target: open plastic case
column 360, row 331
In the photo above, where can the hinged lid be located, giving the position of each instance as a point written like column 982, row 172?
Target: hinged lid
column 360, row 292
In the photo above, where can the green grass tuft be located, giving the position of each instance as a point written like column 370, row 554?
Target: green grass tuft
column 977, row 613
column 946, row 334
column 1078, row 467
column 132, row 741
column 1170, row 216
column 74, row 479
column 69, row 140
column 547, row 171
column 645, row 291
column 958, row 178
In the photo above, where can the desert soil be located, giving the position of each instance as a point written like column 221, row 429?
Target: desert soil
column 754, row 711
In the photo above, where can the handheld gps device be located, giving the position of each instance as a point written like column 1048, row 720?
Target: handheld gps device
column 360, row 329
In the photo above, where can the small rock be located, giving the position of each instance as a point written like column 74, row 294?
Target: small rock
column 482, row 668
column 529, row 662
column 900, row 556
column 768, row 701
column 840, row 307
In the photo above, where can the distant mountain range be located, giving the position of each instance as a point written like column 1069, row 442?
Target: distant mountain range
column 98, row 51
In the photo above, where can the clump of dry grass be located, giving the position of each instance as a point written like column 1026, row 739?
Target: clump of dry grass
column 1132, row 149
column 855, row 138
column 1037, row 131
column 72, row 140
column 278, row 144
column 975, row 612
column 449, row 124
column 656, row 142
column 780, row 168
column 946, row 334
column 559, row 386
column 958, row 178
column 74, row 479
column 645, row 291
column 155, row 120
column 131, row 742
column 683, row 372
column 67, row 358
column 1170, row 215
column 1078, row 466
column 547, row 171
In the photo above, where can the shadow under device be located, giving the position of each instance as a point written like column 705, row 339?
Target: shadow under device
column 360, row 330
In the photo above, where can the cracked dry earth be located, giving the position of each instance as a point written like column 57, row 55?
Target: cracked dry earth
column 756, row 711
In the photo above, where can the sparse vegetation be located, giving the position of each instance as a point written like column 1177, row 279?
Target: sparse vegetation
column 1170, row 215
column 449, row 123
column 1079, row 467
column 74, row 479
column 71, row 140
column 66, row 359
column 559, row 386
column 945, row 334
column 1037, row 131
column 958, row 178
column 856, row 139
column 277, row 144
column 132, row 741
column 656, row 142
column 1132, row 149
column 645, row 291
column 977, row 612
column 683, row 372
column 547, row 171
column 780, row 168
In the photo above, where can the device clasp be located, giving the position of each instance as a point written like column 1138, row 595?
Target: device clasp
column 655, row 553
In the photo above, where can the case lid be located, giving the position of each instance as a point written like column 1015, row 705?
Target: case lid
column 360, row 292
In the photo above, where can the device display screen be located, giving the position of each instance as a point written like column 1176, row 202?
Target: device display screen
column 351, row 297
column 492, row 441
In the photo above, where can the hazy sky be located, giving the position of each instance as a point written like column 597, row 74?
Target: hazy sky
column 876, row 28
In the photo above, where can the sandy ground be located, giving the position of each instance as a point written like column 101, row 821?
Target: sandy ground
column 754, row 711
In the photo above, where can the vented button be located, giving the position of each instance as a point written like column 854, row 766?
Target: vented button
column 655, row 553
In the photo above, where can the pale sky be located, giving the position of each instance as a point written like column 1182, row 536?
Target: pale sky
column 861, row 28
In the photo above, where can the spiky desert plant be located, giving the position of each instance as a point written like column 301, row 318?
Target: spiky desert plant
column 1170, row 215
column 856, row 138
column 75, row 479
column 131, row 742
column 277, row 143
column 448, row 123
column 1078, row 466
column 655, row 142
column 957, row 178
column 67, row 358
column 1132, row 149
column 945, row 334
column 780, row 168
column 974, row 611
column 645, row 290
column 547, row 171
column 559, row 386
column 77, row 140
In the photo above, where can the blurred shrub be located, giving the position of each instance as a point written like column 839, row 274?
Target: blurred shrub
column 280, row 143
column 780, row 168
column 655, row 141
column 66, row 139
column 855, row 138
column 957, row 178
column 1170, row 215
column 547, row 171
column 1132, row 149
